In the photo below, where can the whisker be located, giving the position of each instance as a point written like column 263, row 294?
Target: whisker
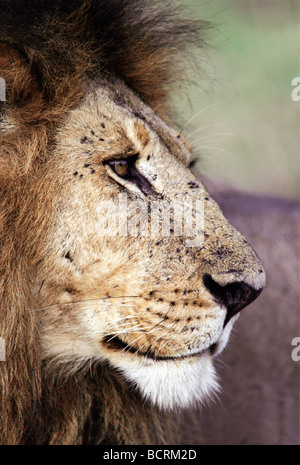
column 133, row 329
column 202, row 110
column 131, row 343
column 211, row 136
column 126, row 317
column 140, row 349
column 156, row 327
column 119, row 333
column 165, row 335
column 142, row 335
column 100, row 300
column 217, row 148
column 204, row 127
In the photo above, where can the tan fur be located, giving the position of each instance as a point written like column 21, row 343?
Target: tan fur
column 68, row 293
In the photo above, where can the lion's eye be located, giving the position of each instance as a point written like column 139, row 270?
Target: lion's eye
column 120, row 167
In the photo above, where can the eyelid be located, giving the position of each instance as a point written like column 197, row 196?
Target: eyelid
column 131, row 159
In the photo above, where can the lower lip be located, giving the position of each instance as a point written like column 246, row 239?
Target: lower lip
column 115, row 344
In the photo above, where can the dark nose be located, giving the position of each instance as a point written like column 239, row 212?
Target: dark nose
column 234, row 296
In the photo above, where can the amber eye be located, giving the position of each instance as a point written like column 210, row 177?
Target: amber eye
column 120, row 167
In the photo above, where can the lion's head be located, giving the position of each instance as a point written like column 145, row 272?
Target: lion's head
column 114, row 253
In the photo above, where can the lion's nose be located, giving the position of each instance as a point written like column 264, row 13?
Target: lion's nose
column 234, row 296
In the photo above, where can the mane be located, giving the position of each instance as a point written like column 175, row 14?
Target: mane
column 49, row 49
column 141, row 42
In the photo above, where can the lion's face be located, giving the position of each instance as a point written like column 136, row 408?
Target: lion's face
column 141, row 269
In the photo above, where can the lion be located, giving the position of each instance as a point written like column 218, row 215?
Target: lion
column 109, row 330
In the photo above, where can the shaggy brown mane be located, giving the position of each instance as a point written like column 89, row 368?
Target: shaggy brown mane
column 139, row 43
column 48, row 49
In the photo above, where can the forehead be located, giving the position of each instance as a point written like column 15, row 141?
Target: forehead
column 121, row 121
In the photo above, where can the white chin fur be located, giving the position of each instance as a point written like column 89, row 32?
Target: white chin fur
column 171, row 384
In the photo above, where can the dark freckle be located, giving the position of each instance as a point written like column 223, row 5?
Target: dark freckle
column 86, row 165
column 92, row 171
column 75, row 174
column 188, row 319
column 84, row 140
column 101, row 140
column 195, row 302
column 173, row 303
column 160, row 299
column 184, row 292
column 206, row 198
column 68, row 256
column 176, row 291
column 92, row 132
column 193, row 185
column 103, row 125
column 148, row 309
column 81, row 176
column 151, row 292
column 148, row 158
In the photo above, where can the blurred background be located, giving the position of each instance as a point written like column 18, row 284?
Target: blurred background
column 241, row 120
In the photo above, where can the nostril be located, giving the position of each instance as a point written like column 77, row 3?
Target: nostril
column 234, row 296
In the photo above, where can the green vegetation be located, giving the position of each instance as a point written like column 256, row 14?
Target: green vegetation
column 252, row 141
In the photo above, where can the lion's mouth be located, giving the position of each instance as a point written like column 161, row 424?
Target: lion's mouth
column 114, row 343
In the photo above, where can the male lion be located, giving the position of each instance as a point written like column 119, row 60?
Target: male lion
column 105, row 333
